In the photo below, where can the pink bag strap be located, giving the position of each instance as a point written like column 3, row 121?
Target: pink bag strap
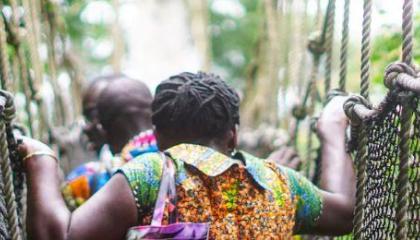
column 167, row 191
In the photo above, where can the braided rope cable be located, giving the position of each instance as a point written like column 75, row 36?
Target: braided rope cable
column 407, row 27
column 25, row 79
column 303, row 57
column 35, row 14
column 365, row 59
column 309, row 145
column 6, row 170
column 4, row 233
column 14, row 63
column 5, row 72
column 13, row 27
column 4, row 60
column 360, row 161
column 52, row 27
column 403, row 184
column 312, row 95
column 33, row 49
column 313, row 85
column 329, row 39
column 316, row 47
column 14, row 74
column 344, row 46
column 35, row 83
column 361, row 155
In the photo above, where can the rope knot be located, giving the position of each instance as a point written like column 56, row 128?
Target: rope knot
column 334, row 93
column 299, row 111
column 349, row 105
column 395, row 69
column 7, row 106
column 315, row 44
column 313, row 124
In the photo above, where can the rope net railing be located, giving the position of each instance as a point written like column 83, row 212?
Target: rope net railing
column 414, row 176
column 390, row 203
column 385, row 140
column 320, row 48
column 382, row 159
column 387, row 156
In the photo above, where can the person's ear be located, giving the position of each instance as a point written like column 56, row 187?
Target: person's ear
column 101, row 131
column 159, row 139
column 233, row 138
column 156, row 135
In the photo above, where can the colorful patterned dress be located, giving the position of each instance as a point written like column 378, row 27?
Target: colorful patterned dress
column 243, row 197
column 88, row 178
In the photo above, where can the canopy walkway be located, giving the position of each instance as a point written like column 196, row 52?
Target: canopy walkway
column 384, row 140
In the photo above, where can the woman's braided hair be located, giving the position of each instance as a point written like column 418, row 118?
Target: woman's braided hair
column 198, row 105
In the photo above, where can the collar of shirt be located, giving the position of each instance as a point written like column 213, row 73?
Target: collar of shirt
column 213, row 163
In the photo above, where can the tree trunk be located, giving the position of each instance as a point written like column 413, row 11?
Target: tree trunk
column 260, row 103
column 116, row 33
column 199, row 20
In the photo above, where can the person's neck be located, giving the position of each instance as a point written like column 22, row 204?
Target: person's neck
column 220, row 149
column 119, row 140
column 210, row 144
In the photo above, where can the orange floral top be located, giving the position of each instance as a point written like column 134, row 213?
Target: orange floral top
column 243, row 197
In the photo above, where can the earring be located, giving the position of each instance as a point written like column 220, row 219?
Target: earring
column 233, row 152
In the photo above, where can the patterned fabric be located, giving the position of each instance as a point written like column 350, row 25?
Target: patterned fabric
column 308, row 205
column 143, row 143
column 88, row 178
column 212, row 187
column 84, row 181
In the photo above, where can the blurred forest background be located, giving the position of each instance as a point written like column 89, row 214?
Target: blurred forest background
column 260, row 47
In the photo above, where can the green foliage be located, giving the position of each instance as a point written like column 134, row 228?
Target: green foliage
column 235, row 39
column 79, row 31
column 386, row 49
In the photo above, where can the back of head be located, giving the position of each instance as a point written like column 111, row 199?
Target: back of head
column 200, row 107
column 124, row 109
column 95, row 87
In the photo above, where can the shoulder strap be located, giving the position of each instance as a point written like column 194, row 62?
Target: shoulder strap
column 166, row 191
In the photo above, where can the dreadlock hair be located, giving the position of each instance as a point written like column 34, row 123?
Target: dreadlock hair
column 200, row 106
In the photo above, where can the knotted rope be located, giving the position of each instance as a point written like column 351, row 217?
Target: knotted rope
column 402, row 76
column 386, row 182
column 316, row 47
column 361, row 158
column 344, row 46
column 4, row 233
column 361, row 155
column 33, row 48
column 8, row 204
column 4, row 59
column 407, row 28
column 15, row 39
column 329, row 38
column 403, row 183
column 365, row 59
column 8, row 112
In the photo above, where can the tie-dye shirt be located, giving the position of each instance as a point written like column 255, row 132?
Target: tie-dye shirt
column 88, row 178
column 243, row 197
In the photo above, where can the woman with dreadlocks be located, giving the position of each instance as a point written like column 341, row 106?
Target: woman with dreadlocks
column 200, row 185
